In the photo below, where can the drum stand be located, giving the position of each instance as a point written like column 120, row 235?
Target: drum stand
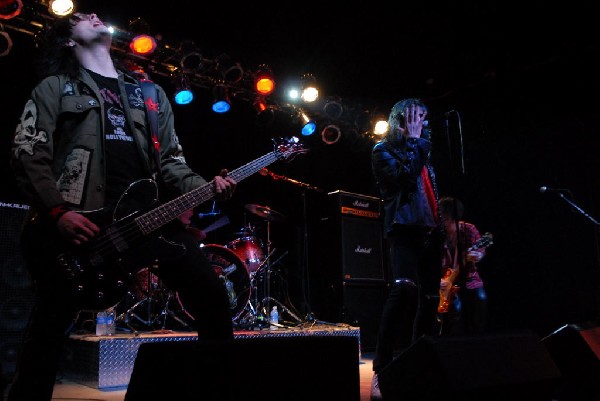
column 265, row 305
column 258, row 315
column 151, row 318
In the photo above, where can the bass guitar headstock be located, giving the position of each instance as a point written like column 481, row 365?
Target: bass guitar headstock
column 289, row 148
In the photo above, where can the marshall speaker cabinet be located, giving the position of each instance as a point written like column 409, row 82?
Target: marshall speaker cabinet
column 348, row 269
column 16, row 289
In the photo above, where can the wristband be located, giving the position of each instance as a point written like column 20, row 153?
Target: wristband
column 57, row 211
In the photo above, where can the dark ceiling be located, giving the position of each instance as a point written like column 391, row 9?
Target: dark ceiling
column 521, row 81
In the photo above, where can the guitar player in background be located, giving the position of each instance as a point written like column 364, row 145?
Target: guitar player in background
column 82, row 140
column 463, row 301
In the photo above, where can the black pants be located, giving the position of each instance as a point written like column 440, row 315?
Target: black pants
column 467, row 314
column 409, row 310
column 53, row 316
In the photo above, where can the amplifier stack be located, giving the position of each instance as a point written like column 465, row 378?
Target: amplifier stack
column 348, row 268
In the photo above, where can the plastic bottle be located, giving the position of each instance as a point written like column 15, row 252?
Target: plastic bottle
column 101, row 323
column 110, row 321
column 274, row 318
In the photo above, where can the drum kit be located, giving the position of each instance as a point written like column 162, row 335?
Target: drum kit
column 244, row 265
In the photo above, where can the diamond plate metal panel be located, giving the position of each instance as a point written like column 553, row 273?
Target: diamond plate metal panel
column 107, row 362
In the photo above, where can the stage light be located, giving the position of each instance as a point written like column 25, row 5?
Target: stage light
column 265, row 86
column 231, row 71
column 259, row 104
column 308, row 125
column 381, row 126
column 309, row 93
column 61, row 8
column 136, row 70
column 142, row 43
column 333, row 109
column 184, row 96
column 331, row 134
column 191, row 57
column 264, row 82
column 183, row 92
column 362, row 121
column 10, row 8
column 5, row 43
column 264, row 114
column 222, row 103
column 293, row 94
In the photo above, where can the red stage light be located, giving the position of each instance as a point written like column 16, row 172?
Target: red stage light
column 265, row 85
column 143, row 45
column 10, row 8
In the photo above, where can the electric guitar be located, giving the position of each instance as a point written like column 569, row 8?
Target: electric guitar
column 449, row 278
column 100, row 272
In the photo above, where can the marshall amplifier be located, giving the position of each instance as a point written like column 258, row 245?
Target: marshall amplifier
column 16, row 288
column 352, row 237
column 360, row 249
column 351, row 204
column 348, row 263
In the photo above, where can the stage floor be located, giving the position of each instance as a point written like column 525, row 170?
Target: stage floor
column 67, row 389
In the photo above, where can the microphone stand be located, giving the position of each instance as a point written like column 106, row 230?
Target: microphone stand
column 301, row 184
column 586, row 215
column 580, row 210
column 590, row 218
column 305, row 252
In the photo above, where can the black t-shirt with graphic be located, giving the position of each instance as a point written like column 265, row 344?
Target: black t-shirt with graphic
column 123, row 162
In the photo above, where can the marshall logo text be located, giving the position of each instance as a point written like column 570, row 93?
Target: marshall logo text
column 360, row 249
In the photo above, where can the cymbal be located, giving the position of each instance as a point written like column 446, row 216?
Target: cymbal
column 265, row 212
column 244, row 232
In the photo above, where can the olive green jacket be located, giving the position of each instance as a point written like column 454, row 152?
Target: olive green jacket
column 58, row 149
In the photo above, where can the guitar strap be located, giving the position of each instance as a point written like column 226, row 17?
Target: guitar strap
column 151, row 101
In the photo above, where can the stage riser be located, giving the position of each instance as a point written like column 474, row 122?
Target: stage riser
column 106, row 363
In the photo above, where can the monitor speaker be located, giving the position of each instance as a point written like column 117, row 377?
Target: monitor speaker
column 576, row 351
column 319, row 368
column 513, row 366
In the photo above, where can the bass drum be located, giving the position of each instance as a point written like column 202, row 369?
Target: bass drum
column 234, row 275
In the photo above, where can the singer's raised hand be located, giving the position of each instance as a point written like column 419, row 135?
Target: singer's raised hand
column 415, row 116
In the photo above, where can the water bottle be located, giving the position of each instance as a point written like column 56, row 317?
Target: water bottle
column 110, row 322
column 274, row 318
column 101, row 323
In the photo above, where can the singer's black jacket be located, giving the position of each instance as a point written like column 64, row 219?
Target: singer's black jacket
column 397, row 163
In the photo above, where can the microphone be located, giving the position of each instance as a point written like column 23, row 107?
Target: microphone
column 264, row 172
column 554, row 190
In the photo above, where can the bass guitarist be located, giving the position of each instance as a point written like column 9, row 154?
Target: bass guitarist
column 463, row 301
column 83, row 140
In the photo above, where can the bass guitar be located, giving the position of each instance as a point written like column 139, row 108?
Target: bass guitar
column 448, row 289
column 101, row 271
